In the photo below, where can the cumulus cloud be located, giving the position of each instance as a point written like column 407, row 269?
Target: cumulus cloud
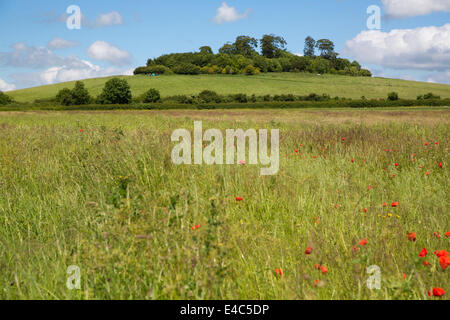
column 4, row 86
column 426, row 48
column 58, row 43
column 101, row 50
column 226, row 13
column 412, row 8
column 102, row 20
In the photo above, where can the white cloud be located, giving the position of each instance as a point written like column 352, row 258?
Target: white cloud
column 226, row 13
column 108, row 19
column 426, row 48
column 412, row 8
column 101, row 50
column 58, row 43
column 4, row 86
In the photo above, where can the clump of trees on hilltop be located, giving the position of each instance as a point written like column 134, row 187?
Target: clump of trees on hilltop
column 250, row 56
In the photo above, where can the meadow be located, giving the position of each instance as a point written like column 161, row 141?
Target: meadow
column 98, row 189
column 273, row 83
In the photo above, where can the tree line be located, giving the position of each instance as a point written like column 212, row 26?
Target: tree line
column 250, row 56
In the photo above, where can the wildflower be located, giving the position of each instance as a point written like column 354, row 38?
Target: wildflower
column 396, row 164
column 441, row 253
column 369, row 188
column 353, row 160
column 323, row 269
column 197, row 226
column 436, row 143
column 239, row 199
column 444, row 262
column 437, row 235
column 426, row 143
column 363, row 242
column 278, row 272
column 355, row 249
column 404, row 276
column 427, row 173
column 440, row 164
column 316, row 266
column 437, row 292
column 365, row 210
column 426, row 263
column 423, row 253
column 343, row 139
column 395, row 204
column 412, row 236
column 447, row 234
column 389, row 215
column 242, row 162
column 308, row 250
column 384, row 204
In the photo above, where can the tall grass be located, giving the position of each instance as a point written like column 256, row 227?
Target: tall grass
column 100, row 191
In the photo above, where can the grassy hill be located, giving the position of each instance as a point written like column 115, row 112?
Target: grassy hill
column 269, row 83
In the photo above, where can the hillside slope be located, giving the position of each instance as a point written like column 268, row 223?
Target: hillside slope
column 269, row 83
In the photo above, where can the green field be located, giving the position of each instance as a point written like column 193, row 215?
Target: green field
column 99, row 190
column 281, row 83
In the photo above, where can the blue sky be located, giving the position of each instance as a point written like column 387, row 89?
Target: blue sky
column 116, row 36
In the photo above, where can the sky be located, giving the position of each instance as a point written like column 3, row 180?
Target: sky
column 37, row 47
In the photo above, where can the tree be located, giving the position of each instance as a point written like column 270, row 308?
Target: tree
column 245, row 45
column 208, row 96
column 326, row 48
column 80, row 95
column 227, row 48
column 152, row 95
column 272, row 46
column 310, row 47
column 64, row 97
column 5, row 99
column 392, row 96
column 206, row 50
column 116, row 91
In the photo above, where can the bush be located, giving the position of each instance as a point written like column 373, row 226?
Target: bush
column 64, row 97
column 240, row 98
column 5, row 99
column 156, row 68
column 116, row 91
column 250, row 70
column 152, row 95
column 80, row 95
column 187, row 68
column 208, row 96
column 430, row 96
column 393, row 96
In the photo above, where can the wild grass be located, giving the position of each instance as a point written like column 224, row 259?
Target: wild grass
column 271, row 83
column 99, row 190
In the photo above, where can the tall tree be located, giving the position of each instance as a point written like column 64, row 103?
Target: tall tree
column 272, row 46
column 310, row 47
column 326, row 48
column 206, row 49
column 227, row 48
column 245, row 45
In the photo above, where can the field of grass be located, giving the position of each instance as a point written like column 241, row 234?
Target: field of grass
column 99, row 190
column 281, row 83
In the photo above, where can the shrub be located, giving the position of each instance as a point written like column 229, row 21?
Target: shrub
column 5, row 99
column 393, row 96
column 430, row 96
column 116, row 91
column 80, row 95
column 250, row 70
column 156, row 68
column 187, row 68
column 64, row 97
column 208, row 96
column 152, row 95
column 240, row 98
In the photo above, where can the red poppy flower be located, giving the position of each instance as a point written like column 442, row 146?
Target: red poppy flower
column 296, row 150
column 441, row 253
column 369, row 188
column 395, row 204
column 436, row 143
column 363, row 242
column 404, row 276
column 384, row 204
column 412, row 236
column 364, row 209
column 343, row 139
column 278, row 272
column 444, row 262
column 308, row 250
column 423, row 253
column 239, row 199
column 447, row 234
column 427, row 173
column 426, row 143
column 323, row 269
column 317, row 266
column 396, row 164
column 437, row 235
column 426, row 263
column 196, row 227
column 438, row 292
column 440, row 164
column 353, row 160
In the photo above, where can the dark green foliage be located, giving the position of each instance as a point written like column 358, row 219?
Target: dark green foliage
column 393, row 96
column 116, row 91
column 80, row 95
column 64, row 97
column 428, row 96
column 208, row 96
column 241, row 57
column 152, row 95
column 5, row 99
